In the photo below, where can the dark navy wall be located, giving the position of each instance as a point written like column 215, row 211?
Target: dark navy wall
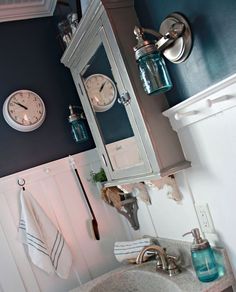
column 213, row 57
column 30, row 59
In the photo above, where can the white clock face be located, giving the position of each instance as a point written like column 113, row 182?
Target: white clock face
column 24, row 110
column 101, row 91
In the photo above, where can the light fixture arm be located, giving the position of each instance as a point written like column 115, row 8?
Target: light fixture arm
column 139, row 31
column 174, row 39
column 162, row 41
column 176, row 31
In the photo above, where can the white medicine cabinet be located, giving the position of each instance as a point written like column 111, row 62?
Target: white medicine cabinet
column 134, row 140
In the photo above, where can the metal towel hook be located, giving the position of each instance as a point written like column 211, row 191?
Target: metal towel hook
column 21, row 183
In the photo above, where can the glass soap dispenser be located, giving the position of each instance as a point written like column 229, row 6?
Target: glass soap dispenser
column 78, row 127
column 203, row 258
column 152, row 68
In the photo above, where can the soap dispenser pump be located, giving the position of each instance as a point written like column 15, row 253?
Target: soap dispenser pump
column 203, row 258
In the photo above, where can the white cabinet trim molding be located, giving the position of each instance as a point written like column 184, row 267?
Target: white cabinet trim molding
column 217, row 98
column 15, row 10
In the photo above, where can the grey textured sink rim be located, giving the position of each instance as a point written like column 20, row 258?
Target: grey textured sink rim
column 136, row 281
column 137, row 278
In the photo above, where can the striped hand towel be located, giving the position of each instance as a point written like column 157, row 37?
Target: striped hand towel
column 47, row 248
column 127, row 250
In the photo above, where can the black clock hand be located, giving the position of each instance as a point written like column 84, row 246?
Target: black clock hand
column 21, row 105
column 101, row 88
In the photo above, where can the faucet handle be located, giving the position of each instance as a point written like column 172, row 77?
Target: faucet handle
column 176, row 259
column 158, row 262
column 173, row 268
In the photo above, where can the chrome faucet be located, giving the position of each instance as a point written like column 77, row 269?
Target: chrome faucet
column 164, row 262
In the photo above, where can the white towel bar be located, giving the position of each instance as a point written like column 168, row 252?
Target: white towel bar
column 180, row 115
column 210, row 102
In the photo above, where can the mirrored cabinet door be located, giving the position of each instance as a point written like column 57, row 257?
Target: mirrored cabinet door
column 111, row 119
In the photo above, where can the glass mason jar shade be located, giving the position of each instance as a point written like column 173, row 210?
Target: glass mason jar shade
column 78, row 126
column 153, row 73
column 79, row 131
column 65, row 31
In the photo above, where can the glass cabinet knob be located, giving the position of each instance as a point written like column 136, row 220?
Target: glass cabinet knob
column 124, row 98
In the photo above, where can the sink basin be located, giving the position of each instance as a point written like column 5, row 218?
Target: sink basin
column 136, row 281
column 144, row 278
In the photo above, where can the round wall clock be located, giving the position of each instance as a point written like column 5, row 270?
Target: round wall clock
column 24, row 110
column 102, row 92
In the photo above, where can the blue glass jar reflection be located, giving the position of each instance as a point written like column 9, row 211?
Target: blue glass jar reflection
column 78, row 126
column 153, row 73
column 79, row 131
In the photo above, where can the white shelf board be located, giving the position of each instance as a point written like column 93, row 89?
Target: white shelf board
column 217, row 98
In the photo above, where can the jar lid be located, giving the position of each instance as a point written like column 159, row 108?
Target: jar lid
column 143, row 46
column 198, row 246
column 145, row 50
column 73, row 116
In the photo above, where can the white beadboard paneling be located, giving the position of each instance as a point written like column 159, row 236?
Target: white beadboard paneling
column 170, row 219
column 95, row 251
column 48, row 196
column 64, row 222
column 74, row 202
column 146, row 223
column 211, row 146
column 56, row 189
column 209, row 142
column 10, row 278
column 165, row 217
column 9, row 206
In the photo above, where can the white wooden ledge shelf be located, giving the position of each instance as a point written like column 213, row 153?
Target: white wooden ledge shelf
column 217, row 98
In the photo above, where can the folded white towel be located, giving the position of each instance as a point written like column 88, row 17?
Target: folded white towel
column 127, row 250
column 47, row 248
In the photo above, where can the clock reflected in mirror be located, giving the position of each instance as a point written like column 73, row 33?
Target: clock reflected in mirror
column 101, row 91
column 24, row 110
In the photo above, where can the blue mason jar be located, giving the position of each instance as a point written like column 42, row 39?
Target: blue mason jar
column 204, row 264
column 153, row 73
column 78, row 126
column 152, row 68
column 79, row 131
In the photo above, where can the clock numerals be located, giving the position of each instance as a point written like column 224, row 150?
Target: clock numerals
column 101, row 91
column 24, row 110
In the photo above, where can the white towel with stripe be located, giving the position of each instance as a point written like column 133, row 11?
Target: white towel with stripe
column 129, row 250
column 47, row 248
